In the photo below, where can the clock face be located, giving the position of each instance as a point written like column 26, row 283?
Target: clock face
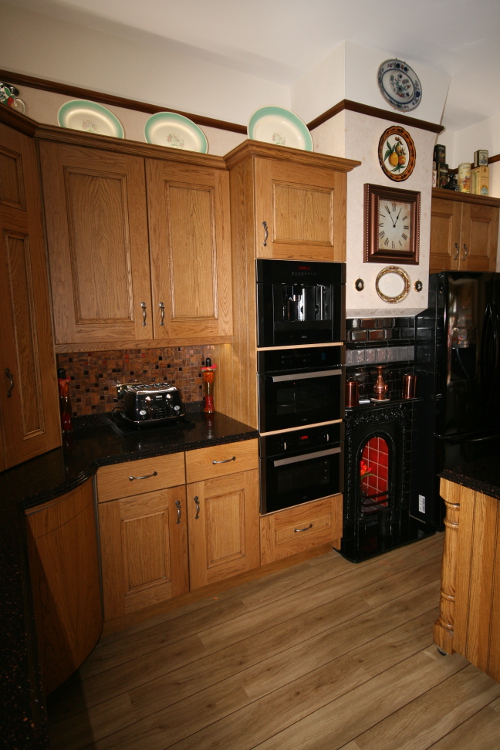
column 394, row 225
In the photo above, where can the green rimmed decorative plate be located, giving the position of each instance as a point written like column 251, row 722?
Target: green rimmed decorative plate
column 280, row 127
column 175, row 131
column 89, row 117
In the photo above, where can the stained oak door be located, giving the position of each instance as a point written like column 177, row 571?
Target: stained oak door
column 223, row 518
column 29, row 409
column 189, row 234
column 300, row 211
column 96, row 218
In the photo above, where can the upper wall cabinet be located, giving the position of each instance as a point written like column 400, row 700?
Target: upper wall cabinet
column 29, row 406
column 464, row 232
column 298, row 198
column 138, row 248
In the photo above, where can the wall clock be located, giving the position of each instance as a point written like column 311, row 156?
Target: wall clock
column 396, row 153
column 392, row 225
column 399, row 85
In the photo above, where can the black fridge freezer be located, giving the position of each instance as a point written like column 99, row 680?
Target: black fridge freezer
column 458, row 365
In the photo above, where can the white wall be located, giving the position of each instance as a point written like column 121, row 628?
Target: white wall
column 60, row 51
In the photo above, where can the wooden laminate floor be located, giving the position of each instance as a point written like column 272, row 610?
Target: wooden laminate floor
column 325, row 654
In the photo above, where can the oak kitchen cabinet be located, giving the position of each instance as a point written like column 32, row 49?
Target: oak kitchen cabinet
column 464, row 232
column 29, row 409
column 62, row 547
column 139, row 249
column 286, row 204
column 288, row 532
column 155, row 546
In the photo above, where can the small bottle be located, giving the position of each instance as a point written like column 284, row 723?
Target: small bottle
column 208, row 375
column 64, row 402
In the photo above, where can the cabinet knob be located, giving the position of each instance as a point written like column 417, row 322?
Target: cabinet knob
column 225, row 460
column 197, row 503
column 266, row 233
column 298, row 531
column 178, row 506
column 143, row 305
column 457, row 248
column 162, row 313
column 146, row 476
column 466, row 248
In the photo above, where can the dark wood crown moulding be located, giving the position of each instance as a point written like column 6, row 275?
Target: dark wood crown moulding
column 19, row 79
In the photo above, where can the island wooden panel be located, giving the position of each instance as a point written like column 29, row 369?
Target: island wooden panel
column 470, row 592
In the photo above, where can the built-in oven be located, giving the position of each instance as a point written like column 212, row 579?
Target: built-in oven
column 299, row 302
column 299, row 386
column 300, row 465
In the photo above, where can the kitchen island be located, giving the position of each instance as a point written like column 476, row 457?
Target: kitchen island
column 96, row 441
column 470, row 589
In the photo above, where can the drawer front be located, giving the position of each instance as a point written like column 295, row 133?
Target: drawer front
column 300, row 528
column 218, row 460
column 136, row 477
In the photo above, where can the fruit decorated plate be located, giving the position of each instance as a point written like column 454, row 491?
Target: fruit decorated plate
column 89, row 117
column 399, row 85
column 280, row 127
column 396, row 153
column 175, row 131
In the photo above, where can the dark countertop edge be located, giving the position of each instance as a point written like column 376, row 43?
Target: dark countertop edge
column 482, row 476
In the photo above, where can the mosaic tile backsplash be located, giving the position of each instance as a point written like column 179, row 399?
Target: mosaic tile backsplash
column 93, row 375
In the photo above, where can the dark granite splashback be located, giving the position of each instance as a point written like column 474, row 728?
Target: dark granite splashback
column 93, row 375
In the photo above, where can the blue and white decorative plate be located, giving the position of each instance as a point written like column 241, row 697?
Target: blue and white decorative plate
column 399, row 85
column 280, row 127
column 89, row 117
column 175, row 131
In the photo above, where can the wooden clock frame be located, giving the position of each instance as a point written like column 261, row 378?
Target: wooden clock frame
column 375, row 254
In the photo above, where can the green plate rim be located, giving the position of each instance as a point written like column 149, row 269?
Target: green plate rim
column 90, row 105
column 175, row 116
column 281, row 111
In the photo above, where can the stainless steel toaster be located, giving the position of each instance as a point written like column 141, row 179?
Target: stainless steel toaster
column 150, row 402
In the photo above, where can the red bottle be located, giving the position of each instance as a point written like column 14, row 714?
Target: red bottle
column 64, row 402
column 208, row 375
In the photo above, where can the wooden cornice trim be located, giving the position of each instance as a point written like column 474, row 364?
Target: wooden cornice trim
column 382, row 114
column 109, row 99
column 454, row 195
column 250, row 148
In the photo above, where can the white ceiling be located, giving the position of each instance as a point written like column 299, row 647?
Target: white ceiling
column 279, row 40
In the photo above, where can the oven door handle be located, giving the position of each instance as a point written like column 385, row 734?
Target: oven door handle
column 305, row 375
column 305, row 457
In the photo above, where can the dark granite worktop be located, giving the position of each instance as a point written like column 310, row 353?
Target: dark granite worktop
column 482, row 475
column 95, row 441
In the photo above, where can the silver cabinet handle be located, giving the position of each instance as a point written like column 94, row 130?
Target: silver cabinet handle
column 178, row 506
column 297, row 531
column 306, row 457
column 305, row 375
column 266, row 233
column 466, row 251
column 143, row 305
column 162, row 313
column 458, row 250
column 11, row 379
column 197, row 503
column 225, row 461
column 146, row 476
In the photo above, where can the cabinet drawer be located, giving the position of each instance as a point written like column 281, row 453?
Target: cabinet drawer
column 135, row 477
column 218, row 460
column 302, row 527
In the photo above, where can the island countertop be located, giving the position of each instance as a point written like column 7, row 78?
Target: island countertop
column 481, row 475
column 96, row 441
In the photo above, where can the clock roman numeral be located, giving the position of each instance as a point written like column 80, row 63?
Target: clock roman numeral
column 406, row 226
column 404, row 236
column 381, row 235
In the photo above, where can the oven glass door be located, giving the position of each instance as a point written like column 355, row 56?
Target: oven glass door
column 295, row 399
column 290, row 480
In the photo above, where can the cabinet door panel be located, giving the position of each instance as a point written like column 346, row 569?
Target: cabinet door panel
column 143, row 550
column 29, row 408
column 445, row 235
column 223, row 516
column 98, row 244
column 479, row 237
column 190, row 252
column 304, row 210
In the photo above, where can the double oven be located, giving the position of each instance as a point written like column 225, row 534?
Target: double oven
column 300, row 330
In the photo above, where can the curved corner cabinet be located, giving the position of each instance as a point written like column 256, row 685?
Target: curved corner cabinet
column 63, row 554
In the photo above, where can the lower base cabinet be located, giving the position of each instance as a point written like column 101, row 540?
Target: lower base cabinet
column 288, row 532
column 64, row 564
column 157, row 543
